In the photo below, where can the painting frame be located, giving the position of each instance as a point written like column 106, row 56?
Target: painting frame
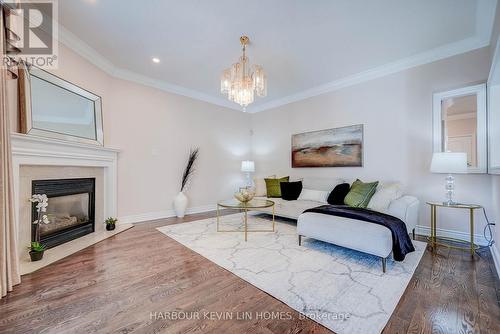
column 327, row 148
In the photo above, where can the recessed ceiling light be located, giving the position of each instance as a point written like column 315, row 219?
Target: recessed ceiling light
column 155, row 60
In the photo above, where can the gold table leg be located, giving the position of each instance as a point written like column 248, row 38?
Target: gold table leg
column 435, row 241
column 218, row 230
column 472, row 247
column 273, row 219
column 246, row 223
column 433, row 227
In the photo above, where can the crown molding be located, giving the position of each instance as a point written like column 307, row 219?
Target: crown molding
column 171, row 88
column 423, row 58
column 485, row 16
column 494, row 75
column 485, row 19
column 86, row 51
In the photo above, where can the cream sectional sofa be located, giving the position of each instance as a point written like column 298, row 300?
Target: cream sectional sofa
column 350, row 233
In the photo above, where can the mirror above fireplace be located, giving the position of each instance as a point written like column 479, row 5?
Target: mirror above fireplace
column 55, row 108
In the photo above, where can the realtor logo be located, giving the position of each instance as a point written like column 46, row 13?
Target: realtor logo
column 34, row 22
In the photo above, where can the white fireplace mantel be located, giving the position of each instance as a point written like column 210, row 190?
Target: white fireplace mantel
column 32, row 150
column 28, row 150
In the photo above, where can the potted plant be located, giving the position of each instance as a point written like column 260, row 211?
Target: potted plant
column 110, row 223
column 37, row 249
column 181, row 200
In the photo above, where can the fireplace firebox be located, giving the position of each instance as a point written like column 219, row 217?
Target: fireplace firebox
column 71, row 209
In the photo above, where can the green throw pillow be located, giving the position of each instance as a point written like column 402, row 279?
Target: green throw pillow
column 273, row 186
column 360, row 194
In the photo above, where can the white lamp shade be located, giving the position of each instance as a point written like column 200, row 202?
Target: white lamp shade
column 247, row 166
column 449, row 163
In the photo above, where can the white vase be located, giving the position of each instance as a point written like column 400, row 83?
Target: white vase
column 180, row 204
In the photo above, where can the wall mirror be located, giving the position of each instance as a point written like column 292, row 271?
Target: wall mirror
column 459, row 124
column 55, row 108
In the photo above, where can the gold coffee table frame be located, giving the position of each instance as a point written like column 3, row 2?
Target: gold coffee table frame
column 471, row 247
column 254, row 204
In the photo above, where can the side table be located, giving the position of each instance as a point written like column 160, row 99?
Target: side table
column 434, row 240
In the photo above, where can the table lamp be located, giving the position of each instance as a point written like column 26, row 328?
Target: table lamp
column 449, row 163
column 248, row 167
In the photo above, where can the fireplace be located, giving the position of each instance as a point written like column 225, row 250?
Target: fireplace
column 71, row 209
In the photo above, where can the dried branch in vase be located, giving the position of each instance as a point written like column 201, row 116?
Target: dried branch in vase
column 190, row 167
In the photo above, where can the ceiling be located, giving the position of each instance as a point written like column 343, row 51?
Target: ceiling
column 306, row 47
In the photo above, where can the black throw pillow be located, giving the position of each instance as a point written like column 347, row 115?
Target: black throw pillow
column 338, row 194
column 290, row 191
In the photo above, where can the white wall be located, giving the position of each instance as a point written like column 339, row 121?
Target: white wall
column 496, row 229
column 496, row 206
column 155, row 130
column 396, row 111
column 494, row 131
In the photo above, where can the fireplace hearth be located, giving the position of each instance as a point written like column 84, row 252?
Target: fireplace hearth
column 71, row 209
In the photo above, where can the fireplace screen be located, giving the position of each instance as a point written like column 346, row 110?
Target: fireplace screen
column 66, row 211
column 70, row 210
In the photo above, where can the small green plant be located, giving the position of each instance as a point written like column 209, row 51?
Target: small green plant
column 40, row 203
column 37, row 247
column 110, row 221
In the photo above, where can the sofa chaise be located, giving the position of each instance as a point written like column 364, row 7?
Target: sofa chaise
column 346, row 232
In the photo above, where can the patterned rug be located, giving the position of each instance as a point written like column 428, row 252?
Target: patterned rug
column 342, row 289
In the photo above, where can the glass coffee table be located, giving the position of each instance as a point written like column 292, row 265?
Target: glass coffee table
column 254, row 204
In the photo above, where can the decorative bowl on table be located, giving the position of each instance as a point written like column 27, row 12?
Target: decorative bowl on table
column 244, row 195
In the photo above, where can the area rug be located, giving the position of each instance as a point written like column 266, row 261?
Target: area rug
column 344, row 290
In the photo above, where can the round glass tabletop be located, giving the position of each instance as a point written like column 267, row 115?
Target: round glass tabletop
column 456, row 206
column 253, row 204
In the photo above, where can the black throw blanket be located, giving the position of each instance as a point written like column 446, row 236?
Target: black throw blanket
column 401, row 242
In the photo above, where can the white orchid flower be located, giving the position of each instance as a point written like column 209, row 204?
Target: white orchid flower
column 45, row 219
column 37, row 198
column 42, row 205
column 41, row 200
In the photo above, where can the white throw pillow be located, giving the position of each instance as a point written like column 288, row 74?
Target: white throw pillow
column 321, row 183
column 384, row 195
column 313, row 195
column 260, row 186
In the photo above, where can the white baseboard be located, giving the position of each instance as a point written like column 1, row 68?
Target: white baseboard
column 148, row 216
column 426, row 230
column 496, row 257
column 478, row 238
column 202, row 208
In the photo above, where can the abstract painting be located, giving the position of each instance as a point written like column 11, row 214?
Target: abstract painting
column 339, row 147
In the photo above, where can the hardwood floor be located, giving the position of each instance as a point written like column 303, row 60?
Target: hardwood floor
column 127, row 283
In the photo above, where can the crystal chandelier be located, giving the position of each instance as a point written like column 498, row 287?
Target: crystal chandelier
column 242, row 81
